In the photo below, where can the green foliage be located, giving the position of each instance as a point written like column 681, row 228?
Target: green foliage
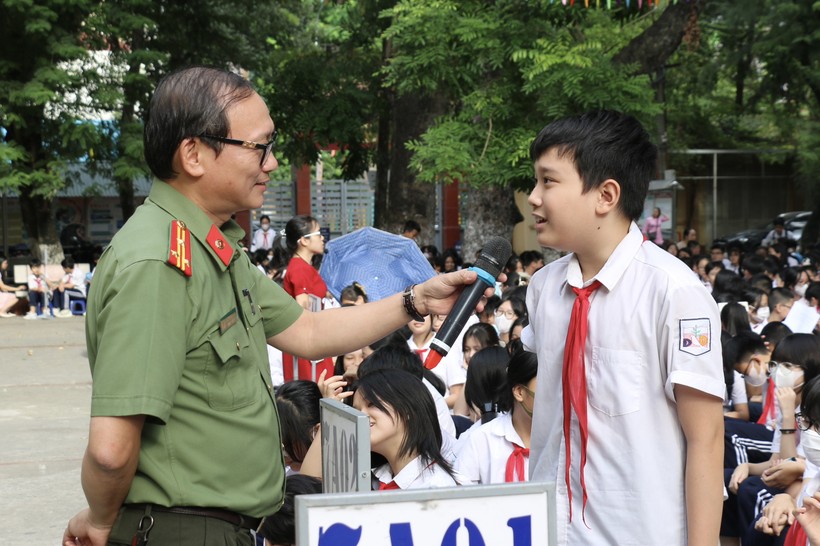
column 508, row 68
column 751, row 80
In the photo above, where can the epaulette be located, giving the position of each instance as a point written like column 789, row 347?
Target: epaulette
column 179, row 254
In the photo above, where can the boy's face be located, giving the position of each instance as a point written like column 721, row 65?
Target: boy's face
column 36, row 269
column 562, row 211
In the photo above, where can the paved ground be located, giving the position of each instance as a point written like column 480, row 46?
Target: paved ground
column 45, row 392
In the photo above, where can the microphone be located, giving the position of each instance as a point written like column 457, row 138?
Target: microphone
column 490, row 261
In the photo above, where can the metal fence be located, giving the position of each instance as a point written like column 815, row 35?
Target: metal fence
column 342, row 206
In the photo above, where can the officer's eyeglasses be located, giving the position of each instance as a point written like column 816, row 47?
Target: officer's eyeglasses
column 266, row 148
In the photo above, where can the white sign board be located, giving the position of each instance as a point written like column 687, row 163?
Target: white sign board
column 345, row 448
column 521, row 514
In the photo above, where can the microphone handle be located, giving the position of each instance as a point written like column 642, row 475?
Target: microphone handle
column 458, row 317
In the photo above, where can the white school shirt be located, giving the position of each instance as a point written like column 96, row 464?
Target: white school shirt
column 484, row 455
column 652, row 325
column 259, row 241
column 77, row 278
column 738, row 394
column 416, row 475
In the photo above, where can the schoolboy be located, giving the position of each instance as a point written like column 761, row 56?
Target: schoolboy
column 645, row 381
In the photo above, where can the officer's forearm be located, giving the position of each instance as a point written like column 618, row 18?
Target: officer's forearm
column 109, row 464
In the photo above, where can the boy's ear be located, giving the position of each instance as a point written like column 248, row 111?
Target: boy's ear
column 609, row 194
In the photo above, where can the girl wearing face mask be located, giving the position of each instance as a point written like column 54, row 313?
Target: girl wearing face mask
column 507, row 313
column 795, row 361
column 758, row 305
column 808, row 503
column 498, row 451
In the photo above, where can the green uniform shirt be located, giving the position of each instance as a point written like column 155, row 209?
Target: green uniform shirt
column 189, row 353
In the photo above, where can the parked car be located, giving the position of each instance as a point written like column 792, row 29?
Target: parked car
column 750, row 239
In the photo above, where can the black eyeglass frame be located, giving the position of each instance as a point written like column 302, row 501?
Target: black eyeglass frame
column 803, row 422
column 266, row 149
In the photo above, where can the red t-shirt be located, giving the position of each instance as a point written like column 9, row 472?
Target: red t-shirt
column 302, row 278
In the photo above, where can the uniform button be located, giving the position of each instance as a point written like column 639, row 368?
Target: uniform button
column 237, row 345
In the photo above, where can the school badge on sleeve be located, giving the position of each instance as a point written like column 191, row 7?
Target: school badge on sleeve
column 695, row 336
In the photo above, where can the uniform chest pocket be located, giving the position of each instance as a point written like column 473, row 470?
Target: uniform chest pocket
column 614, row 379
column 229, row 379
column 250, row 305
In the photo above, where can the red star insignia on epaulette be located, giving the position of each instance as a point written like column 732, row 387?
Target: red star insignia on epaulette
column 220, row 245
column 180, row 247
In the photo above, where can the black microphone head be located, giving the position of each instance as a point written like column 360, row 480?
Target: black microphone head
column 494, row 256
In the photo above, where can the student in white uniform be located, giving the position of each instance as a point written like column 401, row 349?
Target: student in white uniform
column 450, row 370
column 644, row 381
column 390, row 357
column 499, row 451
column 404, row 430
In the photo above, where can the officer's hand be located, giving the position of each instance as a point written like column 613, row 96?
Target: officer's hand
column 82, row 532
column 437, row 295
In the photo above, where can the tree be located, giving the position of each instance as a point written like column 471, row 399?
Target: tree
column 47, row 107
column 507, row 69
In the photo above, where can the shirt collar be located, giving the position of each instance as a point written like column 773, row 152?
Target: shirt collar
column 181, row 208
column 403, row 479
column 615, row 266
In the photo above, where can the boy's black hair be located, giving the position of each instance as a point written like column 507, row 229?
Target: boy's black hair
column 280, row 527
column 761, row 281
column 412, row 404
column 604, row 144
column 263, row 218
column 775, row 332
column 35, row 262
column 778, row 296
column 298, row 406
column 411, row 225
column 813, row 291
column 67, row 263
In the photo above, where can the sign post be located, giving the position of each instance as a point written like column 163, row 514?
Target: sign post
column 521, row 514
column 345, row 448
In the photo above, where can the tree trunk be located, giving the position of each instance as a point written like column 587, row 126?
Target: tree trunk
column 38, row 219
column 488, row 211
column 651, row 48
column 403, row 197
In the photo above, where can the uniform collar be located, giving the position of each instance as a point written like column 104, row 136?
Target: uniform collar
column 503, row 428
column 405, row 477
column 181, row 208
column 615, row 266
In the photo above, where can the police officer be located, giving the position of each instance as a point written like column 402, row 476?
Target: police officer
column 184, row 444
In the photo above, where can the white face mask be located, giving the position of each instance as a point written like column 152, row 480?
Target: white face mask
column 800, row 289
column 810, row 440
column 762, row 314
column 785, row 377
column 504, row 324
column 265, row 227
column 755, row 376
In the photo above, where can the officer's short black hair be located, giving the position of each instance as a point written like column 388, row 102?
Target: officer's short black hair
column 188, row 103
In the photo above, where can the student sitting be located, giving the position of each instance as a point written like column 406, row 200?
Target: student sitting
column 404, row 430
column 499, row 451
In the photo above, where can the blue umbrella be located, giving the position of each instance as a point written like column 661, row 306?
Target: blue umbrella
column 381, row 262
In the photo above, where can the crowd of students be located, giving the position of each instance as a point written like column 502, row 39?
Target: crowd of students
column 47, row 298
